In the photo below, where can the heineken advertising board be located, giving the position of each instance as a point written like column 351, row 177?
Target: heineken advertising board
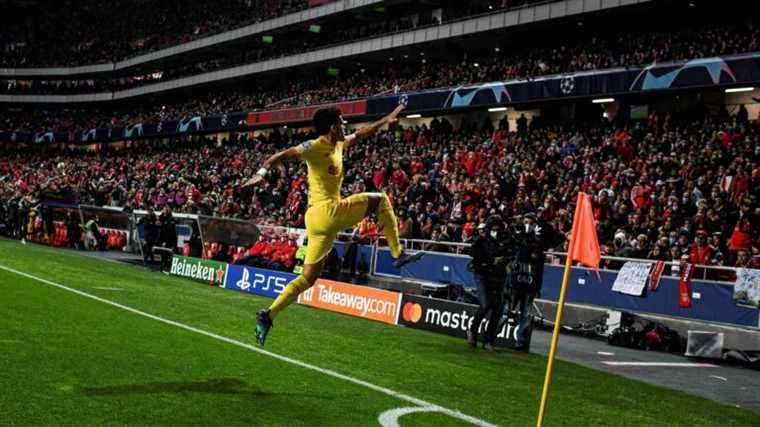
column 202, row 270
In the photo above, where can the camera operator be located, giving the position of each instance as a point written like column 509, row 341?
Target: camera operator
column 526, row 269
column 168, row 229
column 151, row 233
column 168, row 237
column 73, row 230
column 488, row 253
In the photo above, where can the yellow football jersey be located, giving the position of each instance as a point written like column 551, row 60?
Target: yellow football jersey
column 325, row 169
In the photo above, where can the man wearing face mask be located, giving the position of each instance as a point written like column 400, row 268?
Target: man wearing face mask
column 488, row 253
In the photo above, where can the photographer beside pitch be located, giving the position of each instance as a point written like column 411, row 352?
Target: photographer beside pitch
column 525, row 271
column 489, row 252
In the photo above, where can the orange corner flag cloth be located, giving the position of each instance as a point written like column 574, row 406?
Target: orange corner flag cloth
column 584, row 244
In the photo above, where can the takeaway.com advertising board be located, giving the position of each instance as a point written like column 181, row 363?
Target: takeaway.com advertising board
column 359, row 301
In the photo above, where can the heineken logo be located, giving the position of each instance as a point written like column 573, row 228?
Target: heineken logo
column 198, row 269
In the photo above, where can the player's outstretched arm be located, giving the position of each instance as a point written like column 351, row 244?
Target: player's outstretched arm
column 273, row 161
column 371, row 129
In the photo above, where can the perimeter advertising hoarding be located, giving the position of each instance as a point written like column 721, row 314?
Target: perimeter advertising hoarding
column 201, row 270
column 450, row 318
column 258, row 281
column 359, row 301
column 304, row 114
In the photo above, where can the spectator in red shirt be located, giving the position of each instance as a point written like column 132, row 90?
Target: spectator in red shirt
column 399, row 177
column 601, row 207
column 379, row 177
column 746, row 228
column 701, row 253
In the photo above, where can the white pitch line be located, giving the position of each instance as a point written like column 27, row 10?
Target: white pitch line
column 390, row 417
column 662, row 364
column 334, row 374
column 605, row 353
column 719, row 378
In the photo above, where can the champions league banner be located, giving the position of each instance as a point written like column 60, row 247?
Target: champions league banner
column 705, row 72
column 698, row 73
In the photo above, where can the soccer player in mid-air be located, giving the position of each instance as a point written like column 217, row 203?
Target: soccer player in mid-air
column 328, row 213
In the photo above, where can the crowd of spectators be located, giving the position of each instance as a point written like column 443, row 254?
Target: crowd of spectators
column 71, row 33
column 56, row 36
column 661, row 190
column 296, row 41
column 504, row 63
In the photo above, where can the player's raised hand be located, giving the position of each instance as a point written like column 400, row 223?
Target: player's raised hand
column 390, row 118
column 253, row 181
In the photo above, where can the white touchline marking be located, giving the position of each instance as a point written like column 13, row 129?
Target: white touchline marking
column 108, row 289
column 719, row 378
column 662, row 364
column 390, row 417
column 605, row 353
column 380, row 389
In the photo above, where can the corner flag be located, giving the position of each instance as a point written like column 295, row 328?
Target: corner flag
column 584, row 244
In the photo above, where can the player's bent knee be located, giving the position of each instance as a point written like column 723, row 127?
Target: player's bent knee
column 385, row 201
column 311, row 273
column 373, row 201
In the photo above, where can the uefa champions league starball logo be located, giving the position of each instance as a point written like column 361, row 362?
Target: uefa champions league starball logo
column 567, row 85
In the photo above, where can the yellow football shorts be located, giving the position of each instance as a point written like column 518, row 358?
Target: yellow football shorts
column 324, row 221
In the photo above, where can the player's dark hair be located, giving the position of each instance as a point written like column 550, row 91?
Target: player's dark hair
column 494, row 220
column 324, row 118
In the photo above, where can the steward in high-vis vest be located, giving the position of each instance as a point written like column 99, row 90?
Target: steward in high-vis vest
column 300, row 256
column 93, row 231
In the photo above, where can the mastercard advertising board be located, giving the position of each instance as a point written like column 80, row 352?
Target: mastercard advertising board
column 451, row 318
column 354, row 300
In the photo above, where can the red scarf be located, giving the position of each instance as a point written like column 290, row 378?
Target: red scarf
column 654, row 275
column 684, row 285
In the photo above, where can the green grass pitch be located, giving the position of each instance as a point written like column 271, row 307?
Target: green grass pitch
column 66, row 359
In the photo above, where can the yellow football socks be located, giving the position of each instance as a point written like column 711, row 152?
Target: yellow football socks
column 387, row 220
column 288, row 295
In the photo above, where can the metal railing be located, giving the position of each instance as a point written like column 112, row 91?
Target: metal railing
column 713, row 273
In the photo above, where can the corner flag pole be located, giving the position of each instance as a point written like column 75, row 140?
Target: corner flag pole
column 555, row 338
column 583, row 247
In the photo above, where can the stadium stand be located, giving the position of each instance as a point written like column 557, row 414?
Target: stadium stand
column 144, row 26
column 592, row 53
column 671, row 185
column 510, row 62
column 65, row 33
